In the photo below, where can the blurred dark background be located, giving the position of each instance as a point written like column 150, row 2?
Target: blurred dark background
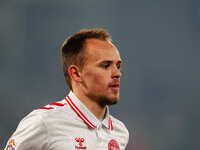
column 159, row 45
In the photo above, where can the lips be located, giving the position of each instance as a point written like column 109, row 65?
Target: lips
column 115, row 86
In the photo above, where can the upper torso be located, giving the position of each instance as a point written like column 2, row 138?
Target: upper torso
column 69, row 125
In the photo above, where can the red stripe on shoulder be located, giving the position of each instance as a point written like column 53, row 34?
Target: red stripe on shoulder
column 57, row 104
column 53, row 105
column 47, row 108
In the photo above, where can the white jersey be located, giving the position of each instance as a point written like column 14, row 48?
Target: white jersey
column 68, row 125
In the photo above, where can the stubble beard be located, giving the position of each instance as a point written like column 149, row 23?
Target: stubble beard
column 104, row 101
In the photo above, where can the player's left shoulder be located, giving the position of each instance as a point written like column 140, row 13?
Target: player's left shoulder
column 119, row 126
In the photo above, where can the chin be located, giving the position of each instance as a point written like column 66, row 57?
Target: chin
column 113, row 102
column 108, row 100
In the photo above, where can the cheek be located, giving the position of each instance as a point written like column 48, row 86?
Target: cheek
column 97, row 79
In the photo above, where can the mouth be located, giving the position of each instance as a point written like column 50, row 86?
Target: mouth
column 115, row 86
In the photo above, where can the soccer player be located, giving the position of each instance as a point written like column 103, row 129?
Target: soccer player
column 81, row 121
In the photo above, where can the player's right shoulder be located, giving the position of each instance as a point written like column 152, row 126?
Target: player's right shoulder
column 54, row 105
column 43, row 114
column 31, row 133
column 33, row 130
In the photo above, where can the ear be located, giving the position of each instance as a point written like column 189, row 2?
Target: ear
column 74, row 73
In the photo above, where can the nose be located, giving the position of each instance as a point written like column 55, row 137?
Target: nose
column 116, row 73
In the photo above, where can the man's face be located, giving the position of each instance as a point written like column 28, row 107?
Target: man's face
column 101, row 74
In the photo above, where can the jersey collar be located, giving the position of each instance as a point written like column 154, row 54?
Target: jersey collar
column 107, row 121
column 85, row 114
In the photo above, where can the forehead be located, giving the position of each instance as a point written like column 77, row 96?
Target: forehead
column 100, row 50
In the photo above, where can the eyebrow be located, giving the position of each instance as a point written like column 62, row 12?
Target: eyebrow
column 110, row 61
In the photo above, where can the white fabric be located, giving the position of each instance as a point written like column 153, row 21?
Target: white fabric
column 60, row 127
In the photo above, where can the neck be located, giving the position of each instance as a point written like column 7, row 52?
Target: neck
column 98, row 110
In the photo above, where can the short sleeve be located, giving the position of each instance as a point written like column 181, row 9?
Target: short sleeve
column 31, row 134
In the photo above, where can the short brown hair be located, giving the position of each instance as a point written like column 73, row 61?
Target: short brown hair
column 72, row 48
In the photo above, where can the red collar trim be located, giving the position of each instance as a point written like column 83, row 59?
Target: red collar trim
column 110, row 126
column 78, row 112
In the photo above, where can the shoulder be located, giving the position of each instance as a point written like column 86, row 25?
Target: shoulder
column 120, row 131
column 49, row 113
column 54, row 105
column 33, row 130
column 31, row 133
column 32, row 119
column 51, row 109
column 41, row 114
column 120, row 127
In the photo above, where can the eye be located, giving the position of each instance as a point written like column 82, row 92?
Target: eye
column 119, row 66
column 106, row 65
